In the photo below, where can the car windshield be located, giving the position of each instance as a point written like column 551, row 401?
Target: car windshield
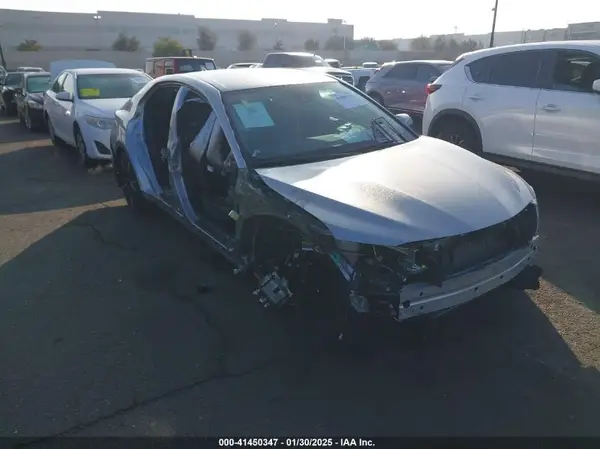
column 328, row 120
column 38, row 84
column 118, row 85
column 194, row 65
column 12, row 79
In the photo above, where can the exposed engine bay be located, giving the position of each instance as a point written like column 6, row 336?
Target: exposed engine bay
column 389, row 281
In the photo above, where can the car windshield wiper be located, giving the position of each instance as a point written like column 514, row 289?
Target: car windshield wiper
column 384, row 132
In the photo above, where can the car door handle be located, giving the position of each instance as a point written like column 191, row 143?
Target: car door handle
column 475, row 97
column 550, row 108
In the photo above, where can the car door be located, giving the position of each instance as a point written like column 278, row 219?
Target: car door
column 51, row 106
column 567, row 131
column 65, row 111
column 502, row 99
column 398, row 84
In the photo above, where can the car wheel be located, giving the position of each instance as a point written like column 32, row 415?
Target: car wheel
column 459, row 133
column 127, row 180
column 82, row 157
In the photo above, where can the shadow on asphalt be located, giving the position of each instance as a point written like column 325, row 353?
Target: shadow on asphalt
column 569, row 217
column 12, row 131
column 52, row 182
column 112, row 312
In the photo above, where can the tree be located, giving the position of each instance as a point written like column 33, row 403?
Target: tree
column 246, row 40
column 278, row 45
column 387, row 45
column 126, row 43
column 167, row 46
column 29, row 45
column 207, row 39
column 335, row 43
column 367, row 43
column 420, row 44
column 311, row 45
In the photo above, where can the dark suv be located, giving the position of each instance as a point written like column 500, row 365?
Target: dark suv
column 308, row 61
column 402, row 86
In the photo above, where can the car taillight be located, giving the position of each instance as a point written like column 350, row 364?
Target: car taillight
column 431, row 88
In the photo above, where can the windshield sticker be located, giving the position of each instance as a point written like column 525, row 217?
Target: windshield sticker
column 253, row 115
column 89, row 92
column 349, row 100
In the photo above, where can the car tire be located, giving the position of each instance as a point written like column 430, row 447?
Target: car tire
column 83, row 160
column 129, row 184
column 460, row 133
column 56, row 141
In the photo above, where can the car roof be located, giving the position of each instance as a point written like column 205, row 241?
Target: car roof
column 573, row 45
column 293, row 53
column 232, row 80
column 28, row 74
column 423, row 61
column 102, row 71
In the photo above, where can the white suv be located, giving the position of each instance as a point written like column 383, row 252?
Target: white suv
column 531, row 105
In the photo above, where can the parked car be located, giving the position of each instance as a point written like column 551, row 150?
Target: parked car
column 30, row 69
column 529, row 105
column 305, row 61
column 402, row 86
column 334, row 199
column 160, row 66
column 334, row 63
column 256, row 66
column 80, row 106
column 363, row 73
column 241, row 65
column 8, row 85
column 30, row 99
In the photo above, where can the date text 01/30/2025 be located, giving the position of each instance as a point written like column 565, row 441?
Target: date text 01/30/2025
column 296, row 442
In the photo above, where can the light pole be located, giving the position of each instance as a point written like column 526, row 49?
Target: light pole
column 494, row 24
column 98, row 34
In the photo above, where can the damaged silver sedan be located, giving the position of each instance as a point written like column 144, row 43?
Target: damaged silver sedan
column 318, row 191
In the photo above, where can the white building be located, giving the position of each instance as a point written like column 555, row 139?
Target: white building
column 62, row 31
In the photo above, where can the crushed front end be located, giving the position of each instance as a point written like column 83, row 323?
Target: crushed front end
column 432, row 276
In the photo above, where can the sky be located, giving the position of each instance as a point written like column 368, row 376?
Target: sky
column 384, row 19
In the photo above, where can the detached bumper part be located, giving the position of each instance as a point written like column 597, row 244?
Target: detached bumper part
column 514, row 269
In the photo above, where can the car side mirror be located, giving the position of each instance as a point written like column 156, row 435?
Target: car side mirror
column 596, row 86
column 405, row 119
column 64, row 96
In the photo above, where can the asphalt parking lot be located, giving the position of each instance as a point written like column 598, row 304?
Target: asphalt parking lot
column 112, row 324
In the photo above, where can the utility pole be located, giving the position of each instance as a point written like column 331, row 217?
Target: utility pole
column 494, row 24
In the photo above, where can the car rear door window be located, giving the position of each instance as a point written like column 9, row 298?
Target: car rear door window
column 517, row 69
column 403, row 72
column 426, row 73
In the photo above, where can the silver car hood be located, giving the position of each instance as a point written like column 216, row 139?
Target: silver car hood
column 420, row 190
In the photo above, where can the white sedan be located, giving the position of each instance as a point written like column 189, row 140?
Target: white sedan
column 80, row 107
